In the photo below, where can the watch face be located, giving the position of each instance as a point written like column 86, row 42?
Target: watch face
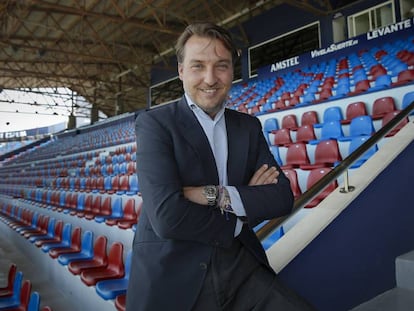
column 211, row 191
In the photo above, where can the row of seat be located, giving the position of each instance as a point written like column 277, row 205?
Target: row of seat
column 354, row 74
column 82, row 254
column 17, row 294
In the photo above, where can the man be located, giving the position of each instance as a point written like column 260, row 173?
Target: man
column 207, row 179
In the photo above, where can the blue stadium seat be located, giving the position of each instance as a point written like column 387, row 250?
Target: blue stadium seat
column 65, row 240
column 355, row 143
column 86, row 251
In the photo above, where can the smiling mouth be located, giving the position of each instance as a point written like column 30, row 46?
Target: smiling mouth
column 210, row 91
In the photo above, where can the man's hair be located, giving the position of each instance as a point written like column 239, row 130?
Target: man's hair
column 207, row 30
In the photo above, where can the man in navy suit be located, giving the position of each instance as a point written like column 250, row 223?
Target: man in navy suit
column 207, row 178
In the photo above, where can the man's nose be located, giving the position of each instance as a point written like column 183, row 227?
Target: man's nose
column 210, row 77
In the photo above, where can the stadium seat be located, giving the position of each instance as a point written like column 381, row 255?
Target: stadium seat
column 17, row 285
column 99, row 259
column 282, row 137
column 382, row 106
column 56, row 235
column 112, row 209
column 329, row 130
column 354, row 110
column 404, row 77
column 276, row 155
column 294, row 183
column 20, row 298
column 7, row 290
column 360, row 126
column 120, row 302
column 408, row 99
column 296, row 155
column 110, row 289
column 86, row 251
column 381, row 83
column 330, row 114
column 305, row 133
column 327, row 154
column 388, row 117
column 73, row 246
column 34, row 302
column 62, row 239
column 355, row 143
column 290, row 122
column 309, row 118
column 133, row 186
column 314, row 176
column 114, row 269
column 131, row 215
column 41, row 228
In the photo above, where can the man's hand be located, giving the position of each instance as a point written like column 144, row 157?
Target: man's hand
column 264, row 175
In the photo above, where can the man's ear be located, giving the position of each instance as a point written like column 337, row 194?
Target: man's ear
column 180, row 71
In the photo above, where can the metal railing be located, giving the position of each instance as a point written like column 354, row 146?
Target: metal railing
column 320, row 185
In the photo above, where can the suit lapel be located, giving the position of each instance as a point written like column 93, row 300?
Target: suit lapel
column 195, row 136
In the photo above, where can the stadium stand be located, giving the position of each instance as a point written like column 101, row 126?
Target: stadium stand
column 87, row 180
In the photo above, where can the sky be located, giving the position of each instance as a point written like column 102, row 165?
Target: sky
column 27, row 110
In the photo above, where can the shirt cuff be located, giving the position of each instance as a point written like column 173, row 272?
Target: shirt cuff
column 236, row 202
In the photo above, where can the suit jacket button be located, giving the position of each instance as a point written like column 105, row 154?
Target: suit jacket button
column 203, row 265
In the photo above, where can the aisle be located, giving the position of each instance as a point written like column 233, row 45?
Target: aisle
column 49, row 295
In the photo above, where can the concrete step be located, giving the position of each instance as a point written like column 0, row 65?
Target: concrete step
column 400, row 298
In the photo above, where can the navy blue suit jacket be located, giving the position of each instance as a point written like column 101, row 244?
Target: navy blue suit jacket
column 175, row 238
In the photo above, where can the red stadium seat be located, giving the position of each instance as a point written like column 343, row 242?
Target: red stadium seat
column 314, row 176
column 113, row 270
column 382, row 106
column 388, row 117
column 120, row 302
column 21, row 302
column 73, row 247
column 282, row 137
column 99, row 259
column 294, row 183
column 305, row 133
column 290, row 122
column 327, row 154
column 354, row 110
column 296, row 155
column 7, row 290
column 309, row 118
column 131, row 215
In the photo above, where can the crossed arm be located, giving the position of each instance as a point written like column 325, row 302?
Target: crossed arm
column 263, row 176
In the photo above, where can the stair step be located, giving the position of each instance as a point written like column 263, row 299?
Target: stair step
column 404, row 270
column 396, row 299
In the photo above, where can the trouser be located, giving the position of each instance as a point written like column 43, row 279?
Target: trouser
column 237, row 281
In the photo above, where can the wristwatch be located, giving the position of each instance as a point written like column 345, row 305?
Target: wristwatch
column 210, row 192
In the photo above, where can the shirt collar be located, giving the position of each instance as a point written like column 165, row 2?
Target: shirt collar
column 199, row 112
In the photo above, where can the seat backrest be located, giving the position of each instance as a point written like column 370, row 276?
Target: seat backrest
column 362, row 125
column 34, row 302
column 87, row 243
column 305, row 133
column 25, row 294
column 355, row 109
column 116, row 207
column 297, row 154
column 282, row 137
column 10, row 278
column 115, row 258
column 106, row 206
column 382, row 105
column 128, row 261
column 309, row 118
column 388, row 117
column 327, row 152
column 332, row 114
column 270, row 124
column 66, row 233
column 315, row 175
column 17, row 285
column 129, row 210
column 294, row 183
column 75, row 241
column 331, row 130
column 99, row 249
column 289, row 121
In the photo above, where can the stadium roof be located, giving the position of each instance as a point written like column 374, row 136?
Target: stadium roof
column 104, row 49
